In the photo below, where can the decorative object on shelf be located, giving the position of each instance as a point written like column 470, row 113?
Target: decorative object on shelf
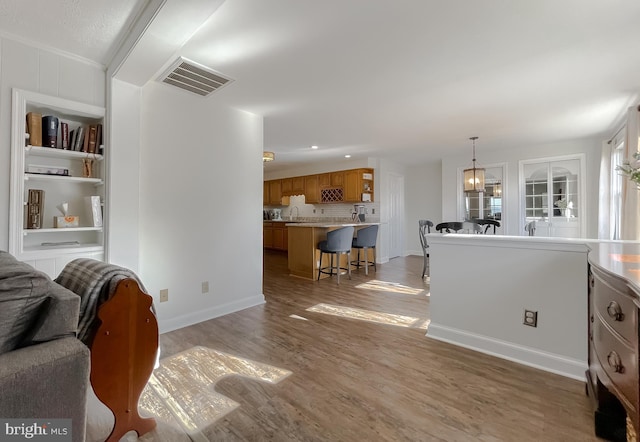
column 66, row 220
column 268, row 156
column 87, row 167
column 95, row 209
column 631, row 169
column 474, row 177
column 35, row 209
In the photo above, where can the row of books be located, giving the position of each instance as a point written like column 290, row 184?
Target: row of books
column 48, row 131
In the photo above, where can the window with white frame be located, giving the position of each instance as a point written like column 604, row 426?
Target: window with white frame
column 617, row 157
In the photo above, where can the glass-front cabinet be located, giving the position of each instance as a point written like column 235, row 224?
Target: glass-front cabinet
column 552, row 194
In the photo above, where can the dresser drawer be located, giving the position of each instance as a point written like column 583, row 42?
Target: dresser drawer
column 618, row 362
column 616, row 308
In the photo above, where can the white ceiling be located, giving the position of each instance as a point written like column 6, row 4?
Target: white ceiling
column 407, row 79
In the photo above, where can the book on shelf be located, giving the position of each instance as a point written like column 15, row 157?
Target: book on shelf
column 99, row 138
column 47, row 170
column 85, row 142
column 49, row 131
column 34, row 127
column 79, row 139
column 93, row 135
column 64, row 135
column 72, row 138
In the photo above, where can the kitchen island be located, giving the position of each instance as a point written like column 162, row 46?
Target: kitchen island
column 303, row 246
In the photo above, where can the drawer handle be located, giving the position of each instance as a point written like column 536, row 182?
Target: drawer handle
column 614, row 362
column 592, row 280
column 614, row 311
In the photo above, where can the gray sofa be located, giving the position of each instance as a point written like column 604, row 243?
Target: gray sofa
column 44, row 368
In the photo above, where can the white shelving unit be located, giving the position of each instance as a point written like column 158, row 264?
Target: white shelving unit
column 48, row 242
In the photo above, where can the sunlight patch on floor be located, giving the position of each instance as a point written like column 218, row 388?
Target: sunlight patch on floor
column 367, row 315
column 182, row 389
column 298, row 317
column 387, row 286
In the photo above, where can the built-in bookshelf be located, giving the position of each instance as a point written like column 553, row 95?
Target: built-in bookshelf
column 57, row 190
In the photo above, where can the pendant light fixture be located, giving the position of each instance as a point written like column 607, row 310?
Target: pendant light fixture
column 474, row 177
column 268, row 156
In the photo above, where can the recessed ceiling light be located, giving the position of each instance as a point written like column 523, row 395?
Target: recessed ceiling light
column 314, row 147
column 347, row 156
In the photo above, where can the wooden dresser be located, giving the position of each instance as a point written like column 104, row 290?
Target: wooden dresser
column 613, row 374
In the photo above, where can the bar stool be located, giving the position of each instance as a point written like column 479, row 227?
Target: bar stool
column 338, row 242
column 366, row 239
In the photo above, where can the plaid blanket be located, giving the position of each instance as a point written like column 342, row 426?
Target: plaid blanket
column 95, row 282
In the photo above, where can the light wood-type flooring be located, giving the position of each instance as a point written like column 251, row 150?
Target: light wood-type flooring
column 362, row 369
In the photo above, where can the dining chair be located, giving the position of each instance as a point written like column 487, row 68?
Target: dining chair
column 530, row 228
column 424, row 227
column 471, row 227
column 488, row 224
column 449, row 227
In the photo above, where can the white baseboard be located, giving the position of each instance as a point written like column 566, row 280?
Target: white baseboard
column 554, row 363
column 171, row 324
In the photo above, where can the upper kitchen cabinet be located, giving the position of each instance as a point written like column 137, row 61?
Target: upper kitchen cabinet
column 358, row 185
column 311, row 189
column 344, row 186
column 275, row 192
column 293, row 186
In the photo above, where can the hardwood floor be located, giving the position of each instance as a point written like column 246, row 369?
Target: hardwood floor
column 358, row 380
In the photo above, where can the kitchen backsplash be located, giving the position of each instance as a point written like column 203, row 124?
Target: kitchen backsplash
column 324, row 212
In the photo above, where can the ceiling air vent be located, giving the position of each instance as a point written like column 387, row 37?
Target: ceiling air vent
column 194, row 77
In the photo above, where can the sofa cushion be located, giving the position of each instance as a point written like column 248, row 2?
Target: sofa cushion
column 23, row 290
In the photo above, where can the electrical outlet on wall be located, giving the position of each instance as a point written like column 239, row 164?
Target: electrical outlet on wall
column 530, row 318
column 373, row 211
column 205, row 287
column 164, row 295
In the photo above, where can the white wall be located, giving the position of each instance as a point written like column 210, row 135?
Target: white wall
column 56, row 74
column 590, row 147
column 481, row 285
column 423, row 200
column 200, row 204
column 123, row 198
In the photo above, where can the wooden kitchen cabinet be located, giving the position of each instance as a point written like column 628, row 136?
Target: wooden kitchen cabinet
column 358, row 185
column 275, row 192
column 265, row 192
column 351, row 188
column 298, row 185
column 267, row 235
column 286, row 186
column 324, row 180
column 337, row 179
column 311, row 189
column 275, row 236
